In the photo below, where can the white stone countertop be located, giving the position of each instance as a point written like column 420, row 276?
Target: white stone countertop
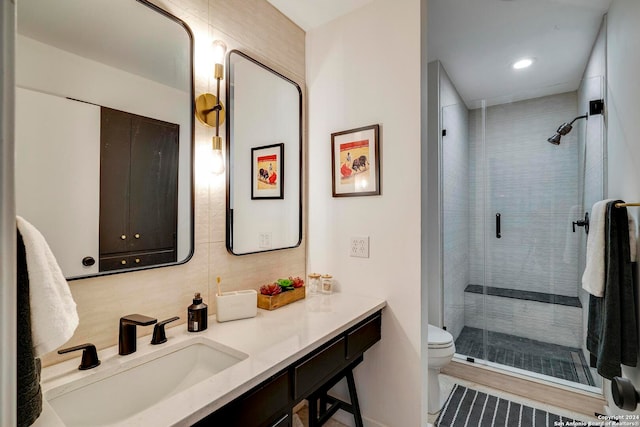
column 272, row 340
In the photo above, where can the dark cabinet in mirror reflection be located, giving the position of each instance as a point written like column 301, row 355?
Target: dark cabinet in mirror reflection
column 138, row 190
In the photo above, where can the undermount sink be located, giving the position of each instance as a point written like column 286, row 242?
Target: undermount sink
column 113, row 398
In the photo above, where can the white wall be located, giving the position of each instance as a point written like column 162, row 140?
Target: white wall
column 362, row 69
column 623, row 111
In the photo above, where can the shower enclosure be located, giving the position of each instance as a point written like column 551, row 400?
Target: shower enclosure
column 513, row 211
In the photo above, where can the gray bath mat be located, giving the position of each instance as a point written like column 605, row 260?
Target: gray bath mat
column 467, row 407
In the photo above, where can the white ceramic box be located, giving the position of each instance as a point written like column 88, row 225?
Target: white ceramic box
column 236, row 305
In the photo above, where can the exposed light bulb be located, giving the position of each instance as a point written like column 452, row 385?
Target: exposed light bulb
column 217, row 159
column 219, row 50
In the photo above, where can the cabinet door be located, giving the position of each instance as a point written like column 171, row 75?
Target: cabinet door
column 154, row 186
column 138, row 190
column 115, row 166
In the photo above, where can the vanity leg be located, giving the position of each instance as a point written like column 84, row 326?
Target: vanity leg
column 329, row 405
column 323, row 403
column 313, row 411
column 353, row 394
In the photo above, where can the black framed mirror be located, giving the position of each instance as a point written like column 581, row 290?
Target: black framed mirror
column 264, row 158
column 104, row 133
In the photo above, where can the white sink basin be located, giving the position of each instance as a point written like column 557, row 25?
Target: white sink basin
column 131, row 389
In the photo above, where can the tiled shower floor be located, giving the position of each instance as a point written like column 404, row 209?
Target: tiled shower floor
column 554, row 360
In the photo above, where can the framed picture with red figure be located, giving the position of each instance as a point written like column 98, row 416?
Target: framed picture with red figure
column 355, row 162
column 267, row 172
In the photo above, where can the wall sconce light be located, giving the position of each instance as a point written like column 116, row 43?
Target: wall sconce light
column 210, row 110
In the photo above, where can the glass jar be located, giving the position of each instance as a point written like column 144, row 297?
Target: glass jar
column 327, row 284
column 314, row 283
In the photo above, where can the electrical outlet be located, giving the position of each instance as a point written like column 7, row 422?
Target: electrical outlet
column 264, row 240
column 359, row 247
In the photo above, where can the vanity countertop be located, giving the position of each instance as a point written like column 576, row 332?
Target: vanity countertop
column 272, row 340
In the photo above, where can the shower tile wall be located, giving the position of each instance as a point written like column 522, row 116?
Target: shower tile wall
column 454, row 117
column 455, row 201
column 534, row 186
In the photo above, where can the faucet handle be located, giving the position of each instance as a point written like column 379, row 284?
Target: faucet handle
column 159, row 335
column 89, row 355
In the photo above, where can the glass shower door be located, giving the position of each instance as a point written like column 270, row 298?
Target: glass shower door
column 512, row 262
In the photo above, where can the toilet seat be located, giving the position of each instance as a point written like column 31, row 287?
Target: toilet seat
column 439, row 338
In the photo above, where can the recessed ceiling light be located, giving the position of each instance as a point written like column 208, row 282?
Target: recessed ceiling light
column 522, row 63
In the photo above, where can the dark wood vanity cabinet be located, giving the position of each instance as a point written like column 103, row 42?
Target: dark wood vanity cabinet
column 270, row 404
column 138, row 190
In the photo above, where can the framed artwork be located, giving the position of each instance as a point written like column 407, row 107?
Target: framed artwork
column 355, row 162
column 267, row 172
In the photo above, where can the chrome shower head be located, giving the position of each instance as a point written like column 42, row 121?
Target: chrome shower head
column 555, row 139
column 564, row 129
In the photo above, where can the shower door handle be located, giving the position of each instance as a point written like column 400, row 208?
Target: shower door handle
column 498, row 233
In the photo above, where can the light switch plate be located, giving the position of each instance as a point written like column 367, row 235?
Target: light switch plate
column 359, row 247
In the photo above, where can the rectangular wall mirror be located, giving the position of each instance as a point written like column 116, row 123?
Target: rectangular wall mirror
column 264, row 158
column 104, row 133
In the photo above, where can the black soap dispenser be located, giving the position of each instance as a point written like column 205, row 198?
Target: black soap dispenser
column 197, row 315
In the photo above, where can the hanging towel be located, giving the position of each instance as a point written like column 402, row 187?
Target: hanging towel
column 29, row 396
column 632, row 240
column 593, row 276
column 612, row 335
column 53, row 311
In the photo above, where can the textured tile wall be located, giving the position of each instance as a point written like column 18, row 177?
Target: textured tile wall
column 552, row 323
column 455, row 201
column 534, row 186
column 257, row 28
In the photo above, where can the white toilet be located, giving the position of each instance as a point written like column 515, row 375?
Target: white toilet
column 441, row 349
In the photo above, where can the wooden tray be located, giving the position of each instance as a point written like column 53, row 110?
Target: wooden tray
column 271, row 302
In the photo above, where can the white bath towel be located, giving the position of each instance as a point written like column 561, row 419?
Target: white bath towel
column 54, row 317
column 593, row 276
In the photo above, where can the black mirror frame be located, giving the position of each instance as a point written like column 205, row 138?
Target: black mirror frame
column 229, row 214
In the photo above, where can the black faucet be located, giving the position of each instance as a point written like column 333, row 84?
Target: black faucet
column 89, row 355
column 127, row 335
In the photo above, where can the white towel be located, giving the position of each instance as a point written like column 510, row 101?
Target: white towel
column 53, row 311
column 593, row 276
